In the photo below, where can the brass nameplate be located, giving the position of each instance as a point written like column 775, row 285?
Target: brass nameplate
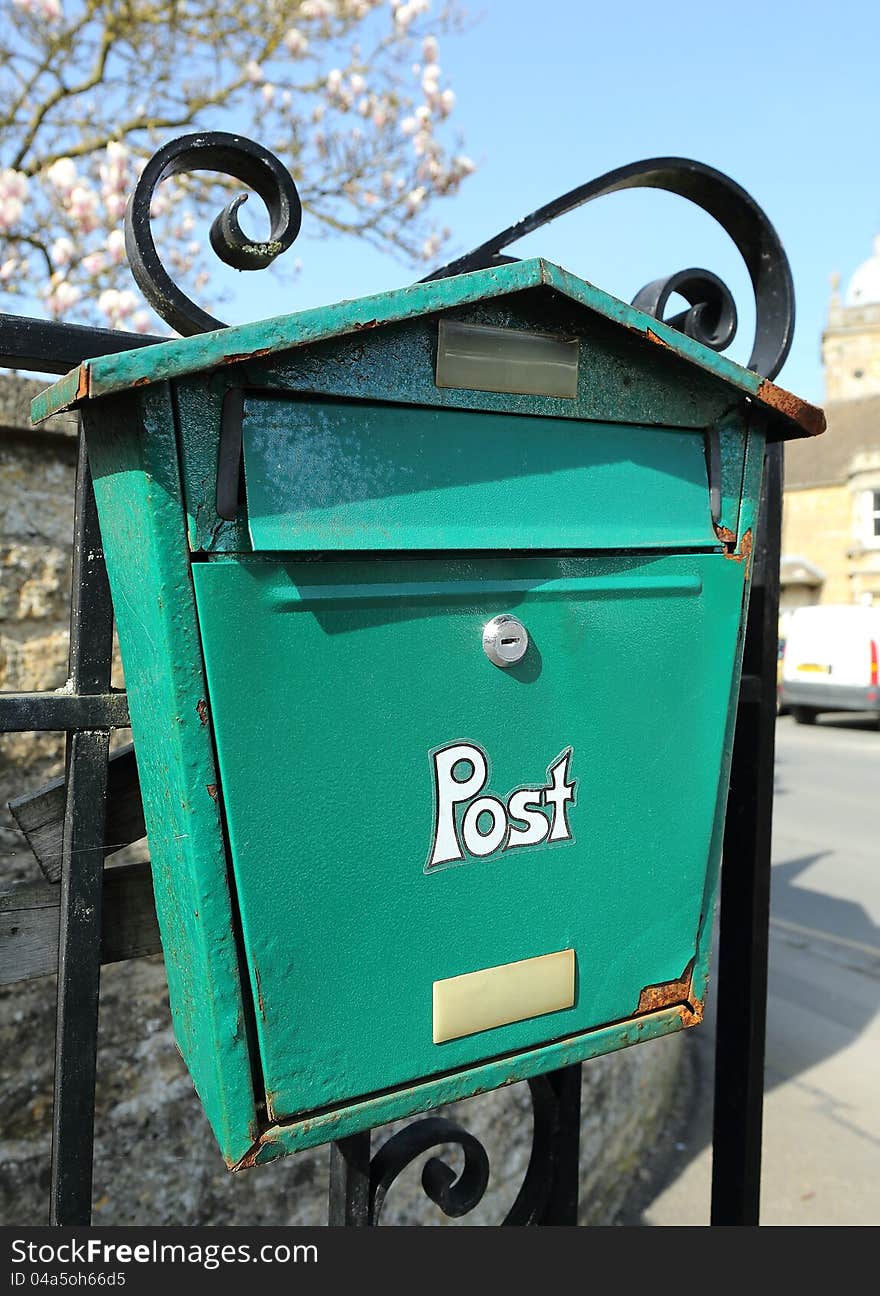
column 497, row 996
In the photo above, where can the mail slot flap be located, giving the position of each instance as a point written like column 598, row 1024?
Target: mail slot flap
column 351, row 475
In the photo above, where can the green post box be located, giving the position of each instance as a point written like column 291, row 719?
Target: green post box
column 431, row 609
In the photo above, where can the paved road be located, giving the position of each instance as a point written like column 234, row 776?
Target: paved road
column 821, row 1151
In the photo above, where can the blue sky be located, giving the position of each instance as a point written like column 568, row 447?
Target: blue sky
column 782, row 96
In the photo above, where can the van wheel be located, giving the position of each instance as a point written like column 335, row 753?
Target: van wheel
column 804, row 715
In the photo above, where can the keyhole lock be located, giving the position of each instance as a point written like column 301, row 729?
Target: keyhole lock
column 505, row 640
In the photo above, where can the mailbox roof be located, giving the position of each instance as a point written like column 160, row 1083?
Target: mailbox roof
column 181, row 356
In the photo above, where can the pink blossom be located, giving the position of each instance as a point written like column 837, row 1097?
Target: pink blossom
column 296, row 42
column 61, row 251
column 430, row 49
column 13, row 192
column 83, row 207
column 62, row 175
column 253, row 71
column 61, row 296
column 94, row 263
column 116, row 246
column 316, row 9
column 11, row 211
column 13, row 184
column 48, row 10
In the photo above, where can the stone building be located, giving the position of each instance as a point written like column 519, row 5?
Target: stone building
column 831, row 516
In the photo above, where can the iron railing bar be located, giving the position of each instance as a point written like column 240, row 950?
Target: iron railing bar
column 57, row 712
column 744, row 916
column 349, row 1197
column 561, row 1207
column 79, row 964
column 50, row 346
column 79, row 946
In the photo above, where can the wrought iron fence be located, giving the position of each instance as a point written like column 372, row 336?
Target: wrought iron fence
column 88, row 709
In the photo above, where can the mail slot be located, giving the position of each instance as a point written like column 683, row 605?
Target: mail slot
column 431, row 610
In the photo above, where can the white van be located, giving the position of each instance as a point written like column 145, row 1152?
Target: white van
column 830, row 661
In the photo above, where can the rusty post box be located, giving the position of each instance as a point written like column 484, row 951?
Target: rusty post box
column 431, row 609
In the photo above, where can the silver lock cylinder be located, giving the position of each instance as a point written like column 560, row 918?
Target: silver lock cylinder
column 505, row 640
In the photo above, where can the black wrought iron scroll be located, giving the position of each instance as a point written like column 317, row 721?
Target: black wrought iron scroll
column 231, row 156
column 711, row 316
column 360, row 1180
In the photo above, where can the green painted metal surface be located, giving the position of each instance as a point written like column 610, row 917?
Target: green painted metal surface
column 273, row 337
column 133, row 459
column 325, row 752
column 298, row 674
column 353, row 475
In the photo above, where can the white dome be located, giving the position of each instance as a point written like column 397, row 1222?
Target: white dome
column 864, row 287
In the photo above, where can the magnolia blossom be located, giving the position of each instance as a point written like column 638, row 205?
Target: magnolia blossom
column 61, row 296
column 61, row 251
column 13, row 192
column 367, row 141
column 62, row 174
column 406, row 13
column 82, row 204
column 116, row 246
column 316, row 9
column 94, row 263
column 295, row 42
column 117, row 306
column 48, row 10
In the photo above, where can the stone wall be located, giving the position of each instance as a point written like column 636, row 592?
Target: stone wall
column 818, row 522
column 156, row 1162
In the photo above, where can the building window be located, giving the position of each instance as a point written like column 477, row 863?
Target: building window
column 870, row 515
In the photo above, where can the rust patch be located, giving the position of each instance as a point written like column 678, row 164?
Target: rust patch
column 726, row 536
column 202, row 708
column 360, row 325
column 247, row 355
column 670, row 994
column 728, row 539
column 260, row 1001
column 249, row 1160
column 82, row 382
column 212, row 791
column 654, row 337
column 809, row 418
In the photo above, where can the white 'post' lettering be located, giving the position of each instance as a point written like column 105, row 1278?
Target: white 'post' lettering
column 450, row 792
column 558, row 794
